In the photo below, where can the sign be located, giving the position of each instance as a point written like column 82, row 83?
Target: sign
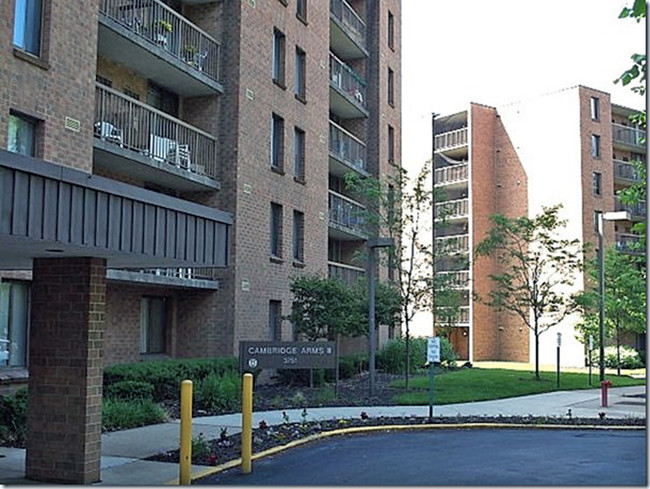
column 287, row 354
column 433, row 350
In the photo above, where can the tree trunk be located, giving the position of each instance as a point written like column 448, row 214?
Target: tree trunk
column 408, row 355
column 536, row 350
column 618, row 352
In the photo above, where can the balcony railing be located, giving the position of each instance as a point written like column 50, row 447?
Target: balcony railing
column 157, row 23
column 451, row 174
column 637, row 211
column 200, row 273
column 625, row 171
column 346, row 213
column 456, row 280
column 452, row 209
column 628, row 243
column 128, row 123
column 346, row 273
column 461, row 320
column 342, row 10
column 452, row 244
column 628, row 135
column 346, row 147
column 451, row 139
column 347, row 80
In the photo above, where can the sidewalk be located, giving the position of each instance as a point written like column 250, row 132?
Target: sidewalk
column 122, row 451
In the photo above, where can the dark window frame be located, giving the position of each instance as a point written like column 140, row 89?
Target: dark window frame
column 275, row 234
column 299, row 148
column 298, row 236
column 277, row 143
column 279, row 58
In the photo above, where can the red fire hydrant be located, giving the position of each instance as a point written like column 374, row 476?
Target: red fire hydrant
column 604, row 385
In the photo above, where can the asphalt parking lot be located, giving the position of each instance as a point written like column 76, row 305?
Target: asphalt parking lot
column 456, row 457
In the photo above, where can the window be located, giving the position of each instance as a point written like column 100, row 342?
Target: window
column 277, row 142
column 391, row 87
column 301, row 10
column 391, row 145
column 300, row 78
column 275, row 320
column 597, row 183
column 391, row 30
column 298, row 236
column 594, row 108
column 27, row 26
column 279, row 41
column 22, row 134
column 153, row 325
column 276, row 230
column 14, row 323
column 299, row 154
column 595, row 146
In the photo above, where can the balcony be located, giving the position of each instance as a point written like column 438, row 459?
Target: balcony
column 348, row 274
column 347, row 31
column 345, row 218
column 135, row 139
column 637, row 211
column 628, row 243
column 461, row 320
column 452, row 143
column 346, row 152
column 347, row 91
column 452, row 245
column 156, row 42
column 625, row 172
column 628, row 136
column 456, row 280
column 453, row 209
column 450, row 175
column 185, row 278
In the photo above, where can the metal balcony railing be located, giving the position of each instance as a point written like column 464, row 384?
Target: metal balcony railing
column 128, row 123
column 346, row 213
column 348, row 274
column 451, row 139
column 628, row 135
column 451, row 174
column 347, row 80
column 461, row 320
column 456, row 280
column 637, row 211
column 628, row 243
column 452, row 244
column 346, row 147
column 200, row 273
column 452, row 209
column 356, row 27
column 157, row 23
column 625, row 170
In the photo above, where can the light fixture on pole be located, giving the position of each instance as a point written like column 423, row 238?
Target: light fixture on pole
column 372, row 244
column 602, row 217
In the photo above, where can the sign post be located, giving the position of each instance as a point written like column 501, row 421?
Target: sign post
column 591, row 347
column 433, row 356
column 559, row 343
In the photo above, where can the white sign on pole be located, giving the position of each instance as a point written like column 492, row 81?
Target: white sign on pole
column 433, row 350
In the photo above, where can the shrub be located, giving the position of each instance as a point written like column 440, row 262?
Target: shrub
column 122, row 415
column 130, row 390
column 218, row 393
column 630, row 358
column 13, row 417
column 392, row 357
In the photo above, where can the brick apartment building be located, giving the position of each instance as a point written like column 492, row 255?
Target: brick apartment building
column 167, row 167
column 573, row 147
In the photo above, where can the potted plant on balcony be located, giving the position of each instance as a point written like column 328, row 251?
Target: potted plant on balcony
column 162, row 28
column 189, row 54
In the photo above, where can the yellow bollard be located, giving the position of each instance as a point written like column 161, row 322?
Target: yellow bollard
column 247, row 423
column 185, row 458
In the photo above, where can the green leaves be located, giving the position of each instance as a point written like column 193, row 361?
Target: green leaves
column 638, row 11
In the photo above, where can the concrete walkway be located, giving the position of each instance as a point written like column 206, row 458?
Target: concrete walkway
column 123, row 451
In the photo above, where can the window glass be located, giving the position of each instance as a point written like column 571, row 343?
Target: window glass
column 22, row 135
column 595, row 146
column 275, row 320
column 391, row 87
column 27, row 25
column 391, row 30
column 277, row 142
column 595, row 108
column 299, row 154
column 14, row 323
column 278, row 56
column 276, row 230
column 300, row 74
column 301, row 9
column 597, row 183
column 153, row 325
column 298, row 235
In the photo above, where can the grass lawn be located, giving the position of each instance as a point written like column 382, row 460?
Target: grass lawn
column 475, row 384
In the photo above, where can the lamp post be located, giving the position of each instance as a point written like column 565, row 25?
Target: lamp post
column 602, row 217
column 372, row 244
column 433, row 222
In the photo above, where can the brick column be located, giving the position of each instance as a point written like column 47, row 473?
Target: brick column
column 65, row 370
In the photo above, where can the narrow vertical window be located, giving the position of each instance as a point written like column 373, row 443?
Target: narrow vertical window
column 14, row 323
column 277, row 142
column 301, row 10
column 595, row 146
column 391, row 145
column 299, row 154
column 22, row 134
column 27, row 25
column 275, row 320
column 391, row 30
column 594, row 108
column 298, row 236
column 391, row 87
column 597, row 183
column 300, row 87
column 153, row 330
column 276, row 230
column 279, row 41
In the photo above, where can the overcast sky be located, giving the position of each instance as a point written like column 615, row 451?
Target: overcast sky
column 499, row 51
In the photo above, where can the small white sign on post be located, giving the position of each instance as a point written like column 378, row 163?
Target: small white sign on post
column 433, row 350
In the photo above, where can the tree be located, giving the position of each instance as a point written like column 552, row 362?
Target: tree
column 535, row 270
column 624, row 303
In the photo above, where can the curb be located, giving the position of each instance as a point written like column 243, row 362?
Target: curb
column 366, row 429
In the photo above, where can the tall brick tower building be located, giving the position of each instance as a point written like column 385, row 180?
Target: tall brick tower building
column 167, row 167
